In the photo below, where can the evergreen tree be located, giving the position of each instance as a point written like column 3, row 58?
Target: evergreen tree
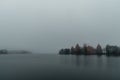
column 99, row 49
column 77, row 49
column 72, row 50
column 85, row 49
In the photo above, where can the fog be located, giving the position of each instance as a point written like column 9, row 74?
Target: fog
column 45, row 26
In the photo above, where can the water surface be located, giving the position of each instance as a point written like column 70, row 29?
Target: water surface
column 58, row 67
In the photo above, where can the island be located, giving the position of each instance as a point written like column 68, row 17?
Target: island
column 5, row 51
column 109, row 50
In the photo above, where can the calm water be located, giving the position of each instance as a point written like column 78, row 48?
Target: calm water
column 58, row 67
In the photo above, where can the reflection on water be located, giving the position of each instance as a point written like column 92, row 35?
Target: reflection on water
column 58, row 67
column 84, row 61
column 100, row 62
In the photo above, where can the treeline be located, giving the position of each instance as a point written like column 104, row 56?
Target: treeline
column 109, row 50
column 5, row 51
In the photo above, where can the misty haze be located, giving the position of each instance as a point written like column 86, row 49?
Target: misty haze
column 45, row 26
column 59, row 39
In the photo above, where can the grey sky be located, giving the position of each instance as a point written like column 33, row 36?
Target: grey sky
column 47, row 25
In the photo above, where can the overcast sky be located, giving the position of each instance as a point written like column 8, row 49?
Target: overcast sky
column 45, row 26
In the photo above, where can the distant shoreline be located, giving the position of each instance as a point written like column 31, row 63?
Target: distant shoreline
column 5, row 51
column 92, row 55
column 109, row 50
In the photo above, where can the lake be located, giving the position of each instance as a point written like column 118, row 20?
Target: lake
column 58, row 67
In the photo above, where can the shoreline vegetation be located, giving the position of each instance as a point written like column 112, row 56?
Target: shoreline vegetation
column 109, row 50
column 5, row 51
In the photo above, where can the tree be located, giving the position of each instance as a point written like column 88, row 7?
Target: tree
column 61, row 51
column 99, row 49
column 85, row 49
column 72, row 50
column 107, row 49
column 77, row 49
